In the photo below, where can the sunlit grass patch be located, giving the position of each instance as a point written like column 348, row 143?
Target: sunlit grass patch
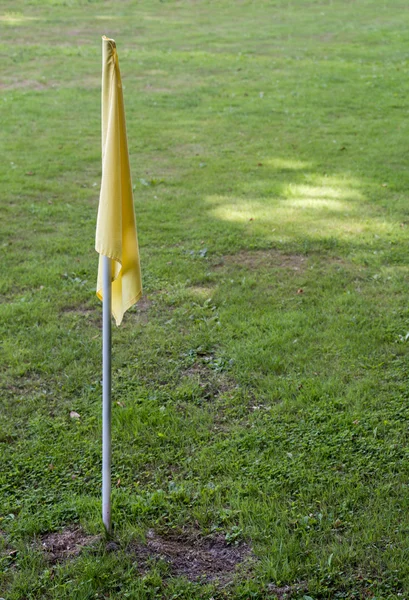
column 305, row 211
column 287, row 164
column 17, row 18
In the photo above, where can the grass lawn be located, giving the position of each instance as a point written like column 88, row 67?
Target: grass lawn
column 260, row 387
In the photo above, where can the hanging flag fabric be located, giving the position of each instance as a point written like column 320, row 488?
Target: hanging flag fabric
column 116, row 228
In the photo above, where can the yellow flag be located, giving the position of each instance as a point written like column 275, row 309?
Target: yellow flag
column 116, row 229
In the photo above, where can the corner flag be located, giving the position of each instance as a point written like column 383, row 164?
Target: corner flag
column 119, row 283
column 116, row 229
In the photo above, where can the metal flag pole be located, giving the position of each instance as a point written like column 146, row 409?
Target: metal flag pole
column 106, row 395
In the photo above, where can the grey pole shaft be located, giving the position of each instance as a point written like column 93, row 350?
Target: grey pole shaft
column 106, row 394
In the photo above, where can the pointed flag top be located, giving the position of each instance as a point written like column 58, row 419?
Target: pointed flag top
column 116, row 235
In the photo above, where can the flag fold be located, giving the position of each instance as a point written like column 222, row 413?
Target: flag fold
column 116, row 235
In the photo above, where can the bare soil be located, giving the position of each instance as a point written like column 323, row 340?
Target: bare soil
column 140, row 311
column 286, row 592
column 265, row 259
column 30, row 84
column 207, row 559
column 60, row 545
column 213, row 384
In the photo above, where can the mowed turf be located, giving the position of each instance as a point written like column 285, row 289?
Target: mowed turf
column 260, row 388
